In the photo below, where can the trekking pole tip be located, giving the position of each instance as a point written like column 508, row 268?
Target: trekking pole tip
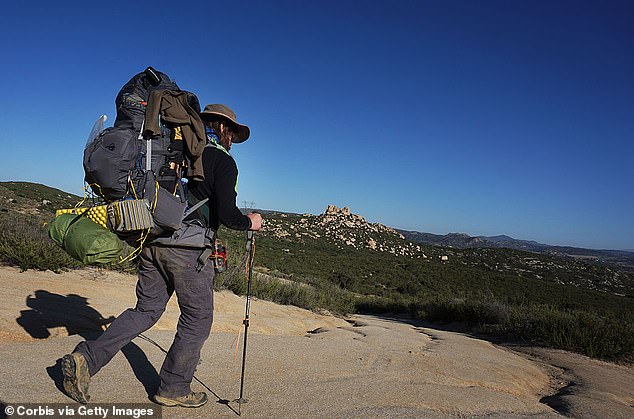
column 240, row 402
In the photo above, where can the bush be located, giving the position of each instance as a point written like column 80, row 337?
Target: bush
column 596, row 335
column 25, row 243
column 288, row 292
column 573, row 330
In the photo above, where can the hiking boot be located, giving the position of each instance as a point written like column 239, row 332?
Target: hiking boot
column 76, row 377
column 190, row 400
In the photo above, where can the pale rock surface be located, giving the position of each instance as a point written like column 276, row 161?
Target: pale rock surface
column 300, row 364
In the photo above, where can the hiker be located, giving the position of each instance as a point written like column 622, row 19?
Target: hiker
column 165, row 269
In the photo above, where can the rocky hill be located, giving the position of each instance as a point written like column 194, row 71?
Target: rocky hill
column 341, row 227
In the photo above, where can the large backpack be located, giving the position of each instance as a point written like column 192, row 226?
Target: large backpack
column 132, row 171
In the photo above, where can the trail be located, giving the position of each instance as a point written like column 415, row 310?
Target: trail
column 300, row 364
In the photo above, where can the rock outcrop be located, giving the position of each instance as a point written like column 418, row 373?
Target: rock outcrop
column 344, row 229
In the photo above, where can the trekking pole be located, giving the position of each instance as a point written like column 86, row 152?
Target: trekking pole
column 251, row 251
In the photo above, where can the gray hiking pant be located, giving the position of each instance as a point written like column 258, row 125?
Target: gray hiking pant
column 163, row 270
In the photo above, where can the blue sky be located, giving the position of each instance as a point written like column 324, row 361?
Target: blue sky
column 488, row 117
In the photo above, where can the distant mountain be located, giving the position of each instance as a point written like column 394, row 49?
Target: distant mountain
column 621, row 258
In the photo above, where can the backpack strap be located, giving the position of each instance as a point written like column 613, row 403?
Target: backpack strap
column 148, row 143
column 198, row 204
column 203, row 259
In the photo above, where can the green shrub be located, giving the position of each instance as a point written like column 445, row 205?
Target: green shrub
column 282, row 291
column 25, row 243
column 573, row 330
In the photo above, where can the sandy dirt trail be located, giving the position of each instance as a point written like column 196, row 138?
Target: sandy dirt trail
column 300, row 364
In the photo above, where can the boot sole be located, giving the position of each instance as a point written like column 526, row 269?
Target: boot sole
column 171, row 403
column 72, row 376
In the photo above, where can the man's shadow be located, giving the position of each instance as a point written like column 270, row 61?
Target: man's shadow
column 49, row 310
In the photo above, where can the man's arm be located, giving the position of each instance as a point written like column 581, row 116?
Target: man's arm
column 226, row 176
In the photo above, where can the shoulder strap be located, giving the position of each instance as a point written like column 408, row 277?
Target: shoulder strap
column 218, row 147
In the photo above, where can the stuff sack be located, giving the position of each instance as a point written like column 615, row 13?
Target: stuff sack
column 85, row 240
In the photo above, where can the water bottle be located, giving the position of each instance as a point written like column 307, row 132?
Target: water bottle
column 96, row 129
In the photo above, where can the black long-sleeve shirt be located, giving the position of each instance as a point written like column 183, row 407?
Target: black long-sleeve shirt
column 221, row 176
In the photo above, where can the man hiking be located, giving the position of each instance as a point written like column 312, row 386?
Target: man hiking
column 163, row 270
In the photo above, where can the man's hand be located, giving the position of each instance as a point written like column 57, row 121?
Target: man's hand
column 256, row 221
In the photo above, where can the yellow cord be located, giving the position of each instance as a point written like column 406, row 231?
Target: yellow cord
column 133, row 189
column 156, row 192
column 146, row 233
column 92, row 186
column 136, row 251
column 80, row 203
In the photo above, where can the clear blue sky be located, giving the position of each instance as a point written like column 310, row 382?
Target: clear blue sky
column 487, row 117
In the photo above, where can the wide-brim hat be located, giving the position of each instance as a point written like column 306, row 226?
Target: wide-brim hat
column 218, row 110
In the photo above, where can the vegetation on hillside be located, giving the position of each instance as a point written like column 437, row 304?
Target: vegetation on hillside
column 24, row 210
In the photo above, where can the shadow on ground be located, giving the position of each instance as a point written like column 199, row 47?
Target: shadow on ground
column 51, row 311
